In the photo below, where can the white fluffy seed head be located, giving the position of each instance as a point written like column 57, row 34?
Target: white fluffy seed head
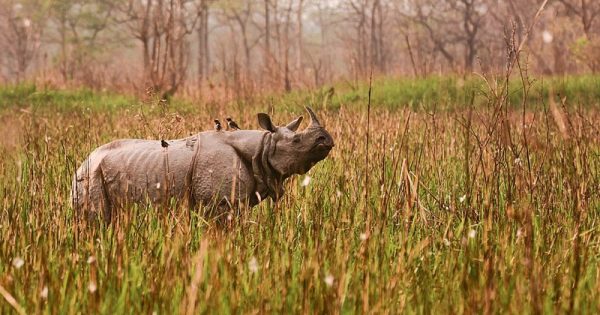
column 18, row 262
column 253, row 265
column 329, row 280
column 44, row 293
column 547, row 37
column 92, row 287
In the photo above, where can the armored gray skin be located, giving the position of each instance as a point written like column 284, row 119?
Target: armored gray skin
column 221, row 170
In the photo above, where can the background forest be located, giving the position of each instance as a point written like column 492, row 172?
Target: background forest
column 231, row 49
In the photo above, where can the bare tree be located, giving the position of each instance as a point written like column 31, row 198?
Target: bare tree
column 240, row 14
column 79, row 26
column 453, row 26
column 367, row 20
column 203, row 43
column 588, row 12
column 267, row 28
column 284, row 46
column 21, row 28
column 162, row 27
column 473, row 13
column 281, row 44
column 377, row 49
column 321, row 64
column 299, row 35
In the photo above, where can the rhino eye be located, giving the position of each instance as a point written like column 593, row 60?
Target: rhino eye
column 296, row 139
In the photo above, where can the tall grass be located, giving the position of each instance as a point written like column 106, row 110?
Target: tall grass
column 448, row 93
column 439, row 93
column 32, row 96
column 467, row 212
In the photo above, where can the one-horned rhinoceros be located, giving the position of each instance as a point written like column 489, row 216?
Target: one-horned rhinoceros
column 218, row 169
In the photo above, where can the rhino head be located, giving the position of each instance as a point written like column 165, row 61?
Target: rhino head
column 294, row 152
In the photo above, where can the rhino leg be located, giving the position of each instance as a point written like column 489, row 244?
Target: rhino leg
column 222, row 213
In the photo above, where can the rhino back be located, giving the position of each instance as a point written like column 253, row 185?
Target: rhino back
column 135, row 169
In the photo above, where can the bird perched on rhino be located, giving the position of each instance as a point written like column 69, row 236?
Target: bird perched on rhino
column 231, row 125
column 222, row 171
column 218, row 126
column 164, row 144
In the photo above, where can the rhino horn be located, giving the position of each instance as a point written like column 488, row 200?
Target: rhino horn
column 294, row 124
column 314, row 122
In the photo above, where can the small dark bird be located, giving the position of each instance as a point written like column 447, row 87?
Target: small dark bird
column 330, row 92
column 218, row 125
column 164, row 143
column 231, row 124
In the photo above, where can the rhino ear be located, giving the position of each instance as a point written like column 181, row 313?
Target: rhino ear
column 265, row 122
column 294, row 124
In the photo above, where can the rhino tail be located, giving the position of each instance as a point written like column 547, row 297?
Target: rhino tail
column 79, row 188
column 88, row 193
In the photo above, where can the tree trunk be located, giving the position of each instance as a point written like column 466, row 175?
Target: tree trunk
column 299, row 47
column 63, row 48
column 286, row 49
column 374, row 60
column 267, row 36
column 380, row 43
column 201, row 49
column 206, row 43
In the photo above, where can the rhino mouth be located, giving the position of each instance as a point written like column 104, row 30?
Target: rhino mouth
column 321, row 150
column 318, row 153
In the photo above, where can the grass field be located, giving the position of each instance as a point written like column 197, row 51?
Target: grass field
column 453, row 206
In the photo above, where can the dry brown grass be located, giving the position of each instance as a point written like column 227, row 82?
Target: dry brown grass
column 469, row 212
